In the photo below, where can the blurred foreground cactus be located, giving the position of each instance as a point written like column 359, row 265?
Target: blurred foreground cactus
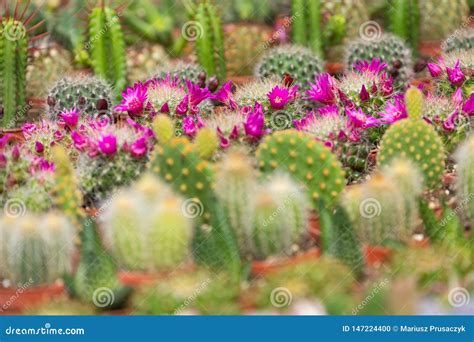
column 465, row 181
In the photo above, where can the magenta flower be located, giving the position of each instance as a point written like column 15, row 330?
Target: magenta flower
column 4, row 140
column 80, row 142
column 375, row 67
column 450, row 123
column 434, row 69
column 364, row 94
column 197, row 94
column 189, row 126
column 224, row 142
column 358, row 119
column 455, row 75
column 468, row 107
column 279, row 97
column 28, row 129
column 457, row 97
column 394, row 112
column 3, row 161
column 70, row 117
column 224, row 95
column 58, row 135
column 324, row 90
column 254, row 125
column 134, row 100
column 387, row 85
column 183, row 106
column 108, row 144
column 39, row 147
column 16, row 153
column 139, row 147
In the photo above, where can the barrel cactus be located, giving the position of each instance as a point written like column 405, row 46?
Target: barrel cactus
column 465, row 181
column 460, row 40
column 415, row 139
column 297, row 61
column 146, row 228
column 90, row 95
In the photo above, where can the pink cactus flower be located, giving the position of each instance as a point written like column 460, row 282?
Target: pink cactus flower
column 324, row 90
column 468, row 107
column 455, row 75
column 134, row 100
column 358, row 119
column 434, row 69
column 108, row 144
column 70, row 118
column 139, row 147
column 279, row 97
column 224, row 95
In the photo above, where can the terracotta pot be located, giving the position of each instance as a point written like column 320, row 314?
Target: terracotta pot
column 334, row 68
column 426, row 82
column 314, row 227
column 16, row 300
column 137, row 279
column 15, row 133
column 241, row 80
column 430, row 49
column 449, row 178
column 263, row 268
column 376, row 255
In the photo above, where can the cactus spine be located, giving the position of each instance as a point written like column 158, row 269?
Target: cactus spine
column 465, row 181
column 210, row 42
column 405, row 21
column 107, row 44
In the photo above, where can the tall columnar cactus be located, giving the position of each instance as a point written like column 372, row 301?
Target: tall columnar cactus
column 146, row 227
column 404, row 18
column 107, row 46
column 416, row 140
column 36, row 250
column 280, row 217
column 297, row 61
column 14, row 40
column 307, row 24
column 388, row 49
column 210, row 41
column 178, row 163
column 465, row 181
column 309, row 161
column 90, row 95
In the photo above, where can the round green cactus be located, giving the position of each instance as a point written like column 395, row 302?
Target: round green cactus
column 462, row 40
column 280, row 217
column 183, row 71
column 416, row 140
column 465, row 181
column 36, row 249
column 309, row 161
column 388, row 49
column 91, row 95
column 146, row 227
column 297, row 61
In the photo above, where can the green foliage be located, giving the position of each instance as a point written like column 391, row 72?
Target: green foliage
column 299, row 62
column 13, row 63
column 210, row 41
column 415, row 139
column 90, row 95
column 36, row 250
column 404, row 21
column 107, row 47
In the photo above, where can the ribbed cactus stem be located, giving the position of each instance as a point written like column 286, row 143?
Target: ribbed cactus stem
column 307, row 21
column 465, row 181
column 414, row 103
column 404, row 19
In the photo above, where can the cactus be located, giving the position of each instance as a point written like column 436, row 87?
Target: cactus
column 459, row 41
column 210, row 42
column 14, row 40
column 107, row 44
column 178, row 163
column 206, row 143
column 309, row 161
column 36, row 250
column 90, row 95
column 307, row 24
column 388, row 49
column 465, row 181
column 244, row 43
column 298, row 62
column 404, row 21
column 246, row 10
column 146, row 228
column 280, row 218
column 183, row 71
column 143, row 59
column 415, row 139
column 440, row 18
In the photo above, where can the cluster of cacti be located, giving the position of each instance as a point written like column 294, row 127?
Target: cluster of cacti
column 90, row 95
column 298, row 62
column 416, row 140
column 271, row 222
column 386, row 48
column 147, row 228
column 384, row 209
column 459, row 41
column 308, row 161
column 246, row 10
column 440, row 18
column 244, row 44
column 465, row 181
column 36, row 250
column 210, row 41
column 142, row 61
column 105, row 43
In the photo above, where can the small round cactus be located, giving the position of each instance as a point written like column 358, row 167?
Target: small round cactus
column 416, row 140
column 388, row 49
column 90, row 95
column 297, row 61
column 188, row 71
column 462, row 40
column 465, row 181
column 36, row 249
column 146, row 227
column 280, row 217
column 309, row 161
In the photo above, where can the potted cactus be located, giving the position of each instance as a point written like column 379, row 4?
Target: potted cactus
column 149, row 231
column 36, row 253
